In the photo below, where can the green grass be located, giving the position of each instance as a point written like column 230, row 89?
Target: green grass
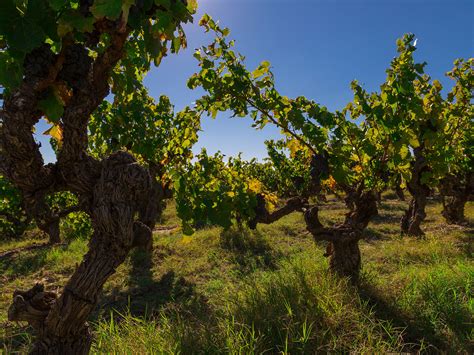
column 268, row 291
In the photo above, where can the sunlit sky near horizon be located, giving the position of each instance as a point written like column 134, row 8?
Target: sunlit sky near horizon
column 316, row 49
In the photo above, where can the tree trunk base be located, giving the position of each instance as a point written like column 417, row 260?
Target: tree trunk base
column 345, row 258
column 453, row 209
column 411, row 220
column 80, row 344
column 51, row 228
column 400, row 194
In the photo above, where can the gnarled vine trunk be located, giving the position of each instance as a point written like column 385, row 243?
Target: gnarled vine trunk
column 115, row 192
column 345, row 259
column 262, row 215
column 52, row 230
column 152, row 208
column 343, row 247
column 399, row 192
column 117, row 195
column 455, row 192
column 414, row 216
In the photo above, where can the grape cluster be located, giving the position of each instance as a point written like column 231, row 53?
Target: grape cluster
column 298, row 182
column 385, row 176
column 319, row 166
column 260, row 211
column 38, row 62
column 84, row 6
column 76, row 66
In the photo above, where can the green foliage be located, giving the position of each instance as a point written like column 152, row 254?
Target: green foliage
column 308, row 126
column 459, row 115
column 75, row 224
column 155, row 30
column 151, row 130
column 13, row 219
column 408, row 113
column 211, row 191
column 291, row 166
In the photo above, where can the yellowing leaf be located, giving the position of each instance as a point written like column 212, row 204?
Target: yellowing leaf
column 271, row 200
column 414, row 142
column 255, row 185
column 357, row 169
column 55, row 132
column 404, row 151
column 294, row 146
column 186, row 239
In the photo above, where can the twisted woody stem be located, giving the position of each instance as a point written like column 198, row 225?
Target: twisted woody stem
column 113, row 192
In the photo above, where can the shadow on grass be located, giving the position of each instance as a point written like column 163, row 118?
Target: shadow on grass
column 11, row 253
column 15, row 339
column 419, row 333
column 145, row 295
column 370, row 235
column 21, row 264
column 27, row 260
column 387, row 218
column 466, row 243
column 249, row 249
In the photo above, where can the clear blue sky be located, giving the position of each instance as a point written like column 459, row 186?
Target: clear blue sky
column 316, row 49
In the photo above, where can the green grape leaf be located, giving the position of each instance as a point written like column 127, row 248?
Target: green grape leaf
column 25, row 35
column 52, row 107
column 56, row 4
column 107, row 8
column 10, row 72
column 74, row 20
column 165, row 3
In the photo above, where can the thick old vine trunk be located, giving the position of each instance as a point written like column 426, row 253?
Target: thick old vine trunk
column 152, row 208
column 411, row 220
column 455, row 192
column 399, row 193
column 343, row 247
column 414, row 216
column 115, row 192
column 262, row 215
column 345, row 259
column 61, row 322
column 349, row 198
column 51, row 228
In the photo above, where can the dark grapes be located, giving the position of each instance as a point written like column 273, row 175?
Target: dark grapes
column 76, row 66
column 38, row 62
column 319, row 166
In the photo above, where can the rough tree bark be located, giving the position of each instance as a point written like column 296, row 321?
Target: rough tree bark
column 115, row 192
column 350, row 197
column 414, row 216
column 50, row 225
column 399, row 193
column 152, row 208
column 62, row 328
column 343, row 247
column 262, row 215
column 455, row 193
